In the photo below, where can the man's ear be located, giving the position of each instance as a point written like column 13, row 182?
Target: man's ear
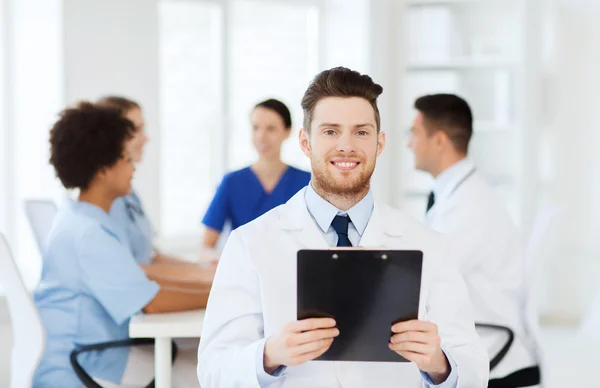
column 441, row 138
column 304, row 139
column 380, row 143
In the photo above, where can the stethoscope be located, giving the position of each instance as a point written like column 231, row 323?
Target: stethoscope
column 460, row 183
column 133, row 209
column 463, row 180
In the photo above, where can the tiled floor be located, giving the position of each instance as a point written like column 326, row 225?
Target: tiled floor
column 571, row 360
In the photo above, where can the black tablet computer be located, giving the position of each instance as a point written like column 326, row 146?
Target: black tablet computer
column 365, row 291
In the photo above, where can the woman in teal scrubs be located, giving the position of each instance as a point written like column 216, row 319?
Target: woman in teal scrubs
column 248, row 193
column 91, row 284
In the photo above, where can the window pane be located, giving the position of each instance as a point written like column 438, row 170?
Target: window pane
column 191, row 120
column 37, row 97
column 274, row 54
column 3, row 122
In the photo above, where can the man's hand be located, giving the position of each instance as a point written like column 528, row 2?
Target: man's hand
column 299, row 342
column 419, row 342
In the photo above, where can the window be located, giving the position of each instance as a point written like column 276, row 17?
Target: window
column 4, row 148
column 35, row 94
column 273, row 54
column 191, row 119
column 217, row 60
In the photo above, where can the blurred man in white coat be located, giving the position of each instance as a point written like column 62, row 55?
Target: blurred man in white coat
column 490, row 257
column 251, row 337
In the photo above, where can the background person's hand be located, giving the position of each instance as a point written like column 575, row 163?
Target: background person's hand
column 299, row 342
column 419, row 342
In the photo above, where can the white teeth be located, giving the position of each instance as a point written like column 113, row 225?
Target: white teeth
column 346, row 164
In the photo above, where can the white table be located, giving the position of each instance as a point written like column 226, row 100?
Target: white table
column 163, row 328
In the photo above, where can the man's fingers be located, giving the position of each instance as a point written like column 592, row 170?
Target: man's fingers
column 310, row 324
column 413, row 347
column 311, row 336
column 301, row 359
column 311, row 347
column 414, row 325
column 415, row 336
column 417, row 358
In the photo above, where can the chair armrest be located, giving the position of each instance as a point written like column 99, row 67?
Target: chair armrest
column 504, row 350
column 86, row 379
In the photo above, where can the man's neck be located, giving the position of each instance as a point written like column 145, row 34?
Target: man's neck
column 97, row 197
column 447, row 161
column 343, row 202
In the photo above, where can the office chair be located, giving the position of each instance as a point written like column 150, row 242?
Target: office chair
column 29, row 336
column 40, row 214
column 28, row 332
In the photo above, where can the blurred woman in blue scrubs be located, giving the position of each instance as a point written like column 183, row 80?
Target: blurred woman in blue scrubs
column 91, row 284
column 128, row 210
column 248, row 193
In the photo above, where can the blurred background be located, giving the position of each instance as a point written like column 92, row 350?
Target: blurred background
column 529, row 69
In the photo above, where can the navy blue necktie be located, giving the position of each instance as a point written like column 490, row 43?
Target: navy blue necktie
column 340, row 225
column 430, row 201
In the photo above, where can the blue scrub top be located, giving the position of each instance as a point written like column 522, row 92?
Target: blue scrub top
column 128, row 213
column 241, row 197
column 90, row 287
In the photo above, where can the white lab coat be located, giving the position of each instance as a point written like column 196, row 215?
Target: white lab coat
column 254, row 295
column 490, row 259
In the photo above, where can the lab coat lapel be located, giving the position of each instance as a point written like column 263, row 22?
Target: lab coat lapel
column 295, row 218
column 380, row 229
column 450, row 193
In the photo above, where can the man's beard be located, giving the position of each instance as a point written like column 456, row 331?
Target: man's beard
column 351, row 187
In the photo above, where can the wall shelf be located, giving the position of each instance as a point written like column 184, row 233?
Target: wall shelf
column 462, row 64
column 420, row 3
column 475, row 49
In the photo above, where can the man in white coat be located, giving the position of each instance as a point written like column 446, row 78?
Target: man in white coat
column 490, row 257
column 251, row 337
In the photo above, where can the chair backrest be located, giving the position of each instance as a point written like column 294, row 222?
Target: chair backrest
column 536, row 254
column 27, row 329
column 40, row 214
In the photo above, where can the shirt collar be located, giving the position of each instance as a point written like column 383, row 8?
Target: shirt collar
column 452, row 174
column 96, row 213
column 324, row 212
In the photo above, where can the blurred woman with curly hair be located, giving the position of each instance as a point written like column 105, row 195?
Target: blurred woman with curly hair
column 91, row 284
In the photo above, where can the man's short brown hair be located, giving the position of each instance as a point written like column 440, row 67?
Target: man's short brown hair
column 339, row 82
column 448, row 113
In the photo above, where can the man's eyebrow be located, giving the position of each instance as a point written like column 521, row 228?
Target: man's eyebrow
column 364, row 125
column 334, row 125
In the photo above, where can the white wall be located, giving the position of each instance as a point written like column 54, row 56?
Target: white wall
column 344, row 29
column 385, row 20
column 5, row 137
column 574, row 135
column 362, row 35
column 35, row 95
column 111, row 47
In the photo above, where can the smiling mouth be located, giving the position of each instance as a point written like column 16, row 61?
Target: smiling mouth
column 345, row 165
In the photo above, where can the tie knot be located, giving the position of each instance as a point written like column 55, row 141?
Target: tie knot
column 340, row 224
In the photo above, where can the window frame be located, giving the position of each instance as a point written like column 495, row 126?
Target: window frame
column 219, row 140
column 7, row 196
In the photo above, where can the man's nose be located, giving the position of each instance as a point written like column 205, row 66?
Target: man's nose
column 346, row 143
